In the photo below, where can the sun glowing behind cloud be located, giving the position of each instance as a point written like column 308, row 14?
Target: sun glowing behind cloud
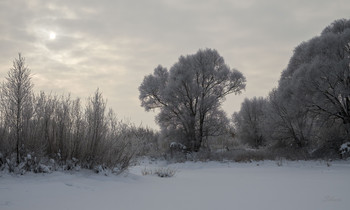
column 52, row 35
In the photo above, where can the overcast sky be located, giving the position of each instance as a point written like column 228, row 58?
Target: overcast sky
column 113, row 44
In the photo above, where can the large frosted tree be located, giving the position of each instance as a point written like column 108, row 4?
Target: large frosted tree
column 190, row 95
column 320, row 73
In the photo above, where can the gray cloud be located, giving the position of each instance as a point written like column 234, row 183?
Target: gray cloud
column 114, row 44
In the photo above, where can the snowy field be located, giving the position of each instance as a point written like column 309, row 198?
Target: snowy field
column 206, row 186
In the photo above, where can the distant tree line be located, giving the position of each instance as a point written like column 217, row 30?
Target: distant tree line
column 309, row 112
column 39, row 127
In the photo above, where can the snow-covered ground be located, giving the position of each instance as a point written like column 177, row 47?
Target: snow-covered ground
column 258, row 185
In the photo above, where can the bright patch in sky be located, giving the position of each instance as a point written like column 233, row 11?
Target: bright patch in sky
column 52, row 35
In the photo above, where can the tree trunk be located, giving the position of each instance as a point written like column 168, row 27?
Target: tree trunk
column 200, row 135
column 18, row 142
column 191, row 136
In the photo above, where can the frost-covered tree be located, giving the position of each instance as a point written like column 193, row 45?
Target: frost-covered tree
column 16, row 100
column 249, row 121
column 288, row 122
column 320, row 72
column 190, row 94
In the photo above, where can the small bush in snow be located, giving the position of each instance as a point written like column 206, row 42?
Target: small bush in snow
column 177, row 146
column 165, row 172
column 100, row 169
column 161, row 172
column 72, row 164
column 146, row 172
column 41, row 168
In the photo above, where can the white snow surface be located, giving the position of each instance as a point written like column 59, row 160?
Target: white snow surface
column 211, row 185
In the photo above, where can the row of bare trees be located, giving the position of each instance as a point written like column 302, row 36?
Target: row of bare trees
column 309, row 111
column 61, row 128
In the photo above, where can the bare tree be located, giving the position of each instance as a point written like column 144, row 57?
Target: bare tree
column 45, row 109
column 16, row 95
column 96, row 124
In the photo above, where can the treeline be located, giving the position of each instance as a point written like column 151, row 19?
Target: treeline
column 308, row 114
column 37, row 129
